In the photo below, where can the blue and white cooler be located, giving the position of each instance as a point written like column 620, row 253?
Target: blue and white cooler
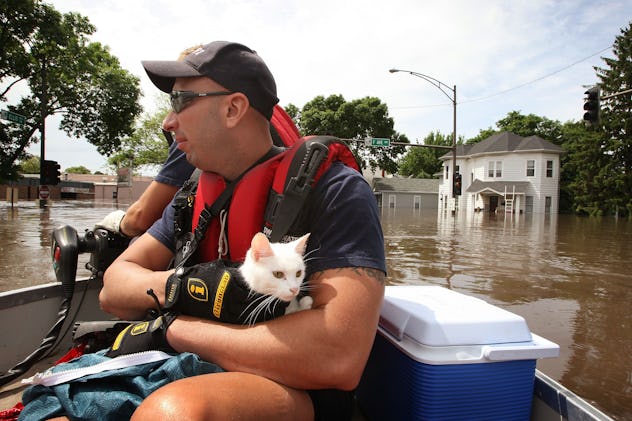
column 443, row 355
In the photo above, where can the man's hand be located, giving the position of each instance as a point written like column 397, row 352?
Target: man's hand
column 216, row 291
column 143, row 336
column 112, row 222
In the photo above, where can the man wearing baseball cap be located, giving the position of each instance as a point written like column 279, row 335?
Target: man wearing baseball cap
column 301, row 366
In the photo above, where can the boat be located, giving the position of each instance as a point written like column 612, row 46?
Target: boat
column 39, row 321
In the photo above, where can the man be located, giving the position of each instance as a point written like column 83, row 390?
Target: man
column 295, row 367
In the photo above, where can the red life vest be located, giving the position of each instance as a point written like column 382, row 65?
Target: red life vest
column 269, row 189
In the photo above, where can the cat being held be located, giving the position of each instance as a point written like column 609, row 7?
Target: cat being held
column 276, row 270
column 265, row 286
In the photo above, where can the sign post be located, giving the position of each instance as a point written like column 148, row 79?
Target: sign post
column 44, row 192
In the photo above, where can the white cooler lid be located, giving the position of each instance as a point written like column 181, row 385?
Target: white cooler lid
column 437, row 316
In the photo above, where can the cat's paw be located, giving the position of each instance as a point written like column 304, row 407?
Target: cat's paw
column 305, row 303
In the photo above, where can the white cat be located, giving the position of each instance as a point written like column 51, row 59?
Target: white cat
column 276, row 270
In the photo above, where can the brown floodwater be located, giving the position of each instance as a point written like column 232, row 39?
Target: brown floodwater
column 566, row 275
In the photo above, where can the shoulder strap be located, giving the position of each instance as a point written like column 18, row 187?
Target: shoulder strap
column 303, row 171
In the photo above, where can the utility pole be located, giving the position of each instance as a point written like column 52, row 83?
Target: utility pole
column 42, row 202
column 440, row 85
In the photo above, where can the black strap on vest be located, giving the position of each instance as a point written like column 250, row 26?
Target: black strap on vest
column 283, row 208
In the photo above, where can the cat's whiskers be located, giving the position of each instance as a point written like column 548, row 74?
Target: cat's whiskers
column 306, row 255
column 258, row 305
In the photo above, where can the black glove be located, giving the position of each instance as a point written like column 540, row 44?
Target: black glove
column 143, row 336
column 215, row 291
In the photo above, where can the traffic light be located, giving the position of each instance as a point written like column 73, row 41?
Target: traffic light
column 592, row 105
column 456, row 185
column 50, row 173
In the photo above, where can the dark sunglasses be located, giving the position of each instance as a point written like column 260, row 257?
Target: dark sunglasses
column 181, row 99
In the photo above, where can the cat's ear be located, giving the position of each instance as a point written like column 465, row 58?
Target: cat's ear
column 260, row 246
column 301, row 244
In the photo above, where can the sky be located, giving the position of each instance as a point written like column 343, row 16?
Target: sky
column 534, row 56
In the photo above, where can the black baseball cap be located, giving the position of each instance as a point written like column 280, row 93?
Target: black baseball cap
column 232, row 65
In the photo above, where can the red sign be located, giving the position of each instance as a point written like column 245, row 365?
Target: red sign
column 44, row 192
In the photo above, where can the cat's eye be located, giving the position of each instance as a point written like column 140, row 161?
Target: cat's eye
column 277, row 274
column 299, row 273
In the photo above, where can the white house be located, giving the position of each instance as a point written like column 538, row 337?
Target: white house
column 504, row 172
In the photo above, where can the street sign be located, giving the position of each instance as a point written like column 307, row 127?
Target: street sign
column 44, row 192
column 11, row 116
column 380, row 141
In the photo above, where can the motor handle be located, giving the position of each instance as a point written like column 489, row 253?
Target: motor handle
column 65, row 254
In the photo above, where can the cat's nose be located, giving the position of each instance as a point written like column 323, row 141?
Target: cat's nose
column 294, row 290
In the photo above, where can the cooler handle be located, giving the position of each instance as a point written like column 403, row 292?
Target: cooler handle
column 539, row 347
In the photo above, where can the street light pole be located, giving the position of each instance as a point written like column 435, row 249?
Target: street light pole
column 440, row 85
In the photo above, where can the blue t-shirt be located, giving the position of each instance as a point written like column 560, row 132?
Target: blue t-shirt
column 176, row 169
column 341, row 216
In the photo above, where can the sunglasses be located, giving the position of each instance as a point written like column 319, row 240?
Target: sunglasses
column 181, row 99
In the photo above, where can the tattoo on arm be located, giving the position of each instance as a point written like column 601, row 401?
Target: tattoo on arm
column 376, row 274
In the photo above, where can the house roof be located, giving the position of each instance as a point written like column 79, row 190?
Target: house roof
column 498, row 187
column 407, row 185
column 505, row 142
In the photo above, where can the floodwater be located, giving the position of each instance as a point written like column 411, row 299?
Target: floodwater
column 567, row 276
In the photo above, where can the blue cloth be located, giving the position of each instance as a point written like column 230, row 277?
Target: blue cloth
column 113, row 395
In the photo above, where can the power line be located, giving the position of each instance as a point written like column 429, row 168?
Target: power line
column 538, row 79
column 515, row 87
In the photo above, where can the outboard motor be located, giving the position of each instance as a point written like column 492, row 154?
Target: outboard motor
column 66, row 245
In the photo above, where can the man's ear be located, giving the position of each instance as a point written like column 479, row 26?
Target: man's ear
column 237, row 106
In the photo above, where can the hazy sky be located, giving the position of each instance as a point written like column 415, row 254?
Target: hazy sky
column 532, row 56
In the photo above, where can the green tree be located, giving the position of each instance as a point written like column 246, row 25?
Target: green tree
column 146, row 147
column 293, row 111
column 48, row 56
column 354, row 121
column 30, row 165
column 583, row 171
column 616, row 119
column 524, row 125
column 424, row 162
column 80, row 169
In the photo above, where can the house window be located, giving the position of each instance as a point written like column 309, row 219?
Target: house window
column 530, row 168
column 499, row 169
column 417, row 202
column 547, row 204
column 391, row 200
column 490, row 169
column 549, row 169
column 447, row 172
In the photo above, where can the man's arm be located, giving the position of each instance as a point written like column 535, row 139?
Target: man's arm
column 325, row 347
column 147, row 209
column 140, row 267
